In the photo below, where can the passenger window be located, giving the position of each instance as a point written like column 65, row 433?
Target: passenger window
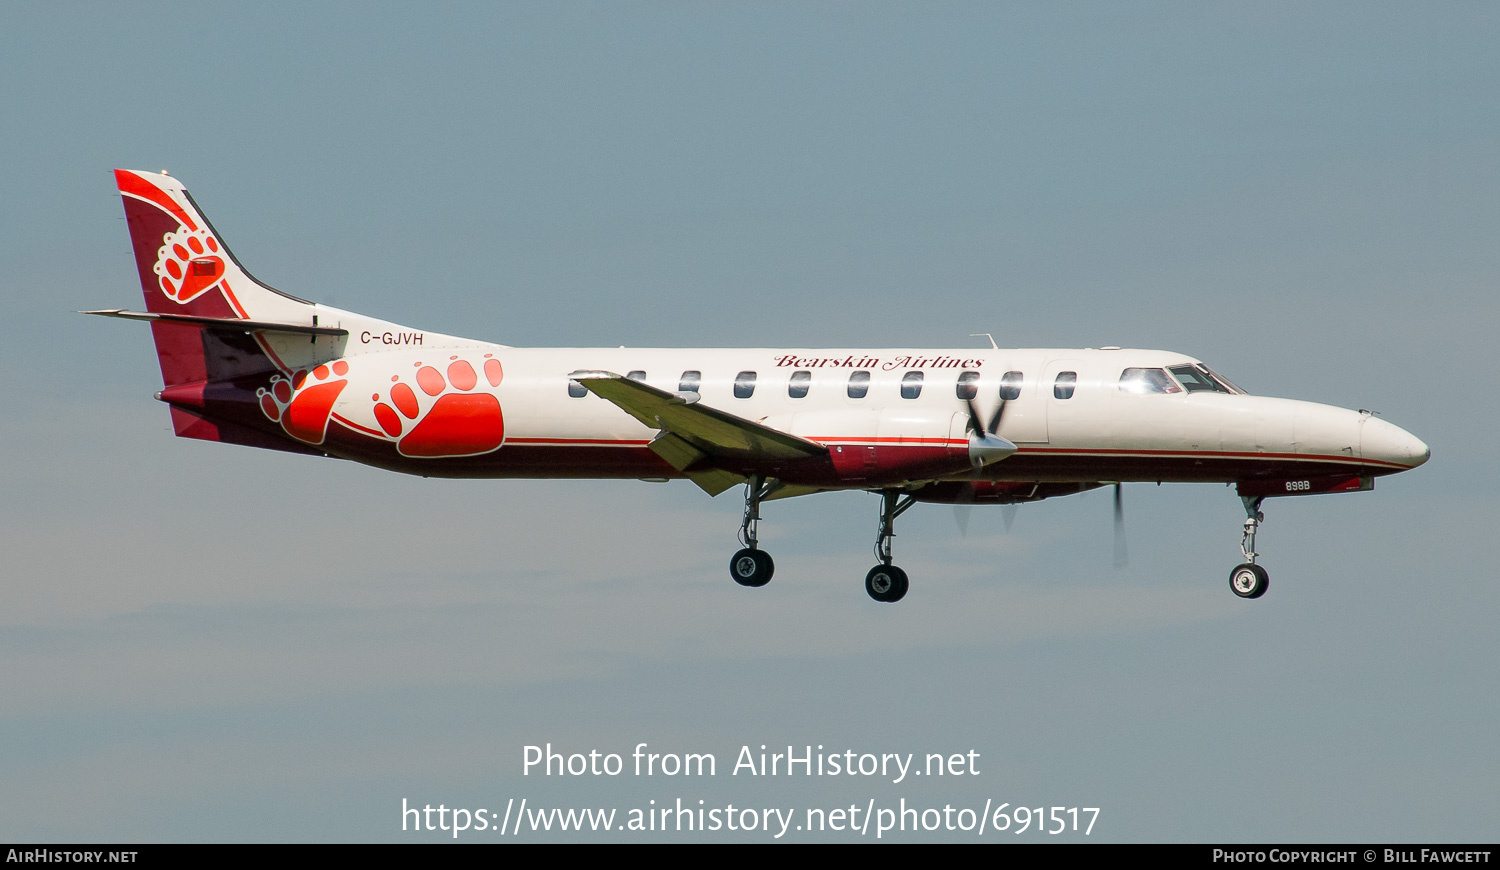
column 859, row 384
column 636, row 375
column 1147, row 381
column 968, row 385
column 744, row 385
column 1010, row 385
column 689, row 382
column 1062, row 388
column 798, row 386
column 911, row 385
column 575, row 389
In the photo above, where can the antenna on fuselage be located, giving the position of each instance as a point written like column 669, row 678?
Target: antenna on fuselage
column 993, row 346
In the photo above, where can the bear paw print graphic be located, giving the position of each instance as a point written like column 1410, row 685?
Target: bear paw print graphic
column 189, row 264
column 303, row 403
column 443, row 416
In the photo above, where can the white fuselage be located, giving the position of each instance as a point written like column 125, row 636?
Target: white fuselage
column 1109, row 432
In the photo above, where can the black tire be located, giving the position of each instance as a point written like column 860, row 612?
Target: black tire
column 751, row 567
column 900, row 591
column 886, row 584
column 1249, row 581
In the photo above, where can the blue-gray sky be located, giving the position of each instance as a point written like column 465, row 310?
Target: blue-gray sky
column 201, row 642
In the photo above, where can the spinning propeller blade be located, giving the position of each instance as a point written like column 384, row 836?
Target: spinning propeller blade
column 961, row 514
column 1121, row 559
column 994, row 427
column 997, row 447
column 974, row 424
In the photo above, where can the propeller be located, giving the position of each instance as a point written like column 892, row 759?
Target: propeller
column 985, row 447
column 995, row 419
column 985, row 444
column 1121, row 558
column 961, row 511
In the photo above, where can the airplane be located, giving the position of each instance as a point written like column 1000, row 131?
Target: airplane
column 243, row 363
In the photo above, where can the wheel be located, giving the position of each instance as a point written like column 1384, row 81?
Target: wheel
column 752, row 567
column 1249, row 581
column 886, row 583
column 902, row 585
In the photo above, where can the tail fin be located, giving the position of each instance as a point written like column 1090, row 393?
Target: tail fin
column 185, row 269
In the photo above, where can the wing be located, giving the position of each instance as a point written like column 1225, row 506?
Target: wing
column 695, row 439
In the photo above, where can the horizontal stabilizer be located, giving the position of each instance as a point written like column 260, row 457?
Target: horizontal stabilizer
column 234, row 324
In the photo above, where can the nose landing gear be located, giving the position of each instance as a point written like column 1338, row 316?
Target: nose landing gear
column 886, row 583
column 752, row 566
column 1250, row 580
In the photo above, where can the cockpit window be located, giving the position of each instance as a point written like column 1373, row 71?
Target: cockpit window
column 1222, row 381
column 1198, row 379
column 1147, row 381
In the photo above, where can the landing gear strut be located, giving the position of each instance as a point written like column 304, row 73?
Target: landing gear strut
column 885, row 582
column 752, row 566
column 1250, row 580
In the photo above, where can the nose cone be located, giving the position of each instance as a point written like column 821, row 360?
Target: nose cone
column 1384, row 442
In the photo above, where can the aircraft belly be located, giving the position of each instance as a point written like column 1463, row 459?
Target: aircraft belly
column 1062, row 464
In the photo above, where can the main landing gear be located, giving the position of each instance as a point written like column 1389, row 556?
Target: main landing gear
column 1250, row 580
column 885, row 582
column 752, row 566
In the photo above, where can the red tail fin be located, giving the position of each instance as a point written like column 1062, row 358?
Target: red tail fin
column 185, row 268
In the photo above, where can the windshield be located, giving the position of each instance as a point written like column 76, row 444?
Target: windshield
column 1233, row 388
column 1197, row 378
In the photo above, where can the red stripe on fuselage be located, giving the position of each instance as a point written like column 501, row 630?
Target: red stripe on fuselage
column 1208, row 454
column 892, row 439
column 1029, row 451
column 543, row 457
column 588, row 442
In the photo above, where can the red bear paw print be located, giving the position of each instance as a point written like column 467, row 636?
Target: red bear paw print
column 442, row 417
column 304, row 402
column 189, row 264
